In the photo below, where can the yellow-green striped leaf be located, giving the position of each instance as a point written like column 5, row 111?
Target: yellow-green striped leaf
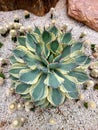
column 55, row 97
column 29, row 76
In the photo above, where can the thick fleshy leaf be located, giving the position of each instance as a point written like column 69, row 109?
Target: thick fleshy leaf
column 73, row 95
column 67, row 67
column 76, row 46
column 66, row 38
column 38, row 49
column 81, row 59
column 50, row 58
column 19, row 53
column 53, row 80
column 31, row 60
column 66, row 51
column 88, row 60
column 16, row 68
column 40, row 90
column 29, row 76
column 80, row 76
column 54, row 30
column 30, row 42
column 37, row 30
column 44, row 60
column 56, row 97
column 22, row 40
column 54, row 65
column 42, row 68
column 22, row 88
column 46, row 37
column 54, row 45
column 12, row 59
column 41, row 102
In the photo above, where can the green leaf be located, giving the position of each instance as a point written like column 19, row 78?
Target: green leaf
column 81, row 59
column 44, row 60
column 54, row 30
column 12, row 60
column 2, row 75
column 66, row 51
column 76, row 46
column 68, row 66
column 40, row 90
column 22, row 88
column 80, row 76
column 31, row 60
column 1, row 44
column 15, row 69
column 29, row 76
column 54, row 65
column 50, row 58
column 42, row 68
column 46, row 37
column 30, row 42
column 19, row 53
column 73, row 95
column 53, row 80
column 38, row 49
column 88, row 60
column 37, row 30
column 55, row 97
column 66, row 38
column 54, row 45
column 22, row 40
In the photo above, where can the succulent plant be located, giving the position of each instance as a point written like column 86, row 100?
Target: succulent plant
column 47, row 66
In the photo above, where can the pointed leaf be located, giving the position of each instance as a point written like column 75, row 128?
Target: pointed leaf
column 22, row 40
column 77, row 46
column 12, row 60
column 30, row 42
column 46, row 37
column 37, row 30
column 54, row 30
column 54, row 45
column 66, row 38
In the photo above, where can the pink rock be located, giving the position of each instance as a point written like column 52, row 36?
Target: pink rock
column 85, row 11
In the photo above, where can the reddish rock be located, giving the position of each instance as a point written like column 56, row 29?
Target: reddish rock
column 38, row 7
column 85, row 11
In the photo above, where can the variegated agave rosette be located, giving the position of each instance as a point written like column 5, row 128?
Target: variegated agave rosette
column 47, row 65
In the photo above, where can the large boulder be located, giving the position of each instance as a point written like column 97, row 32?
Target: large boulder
column 38, row 7
column 85, row 11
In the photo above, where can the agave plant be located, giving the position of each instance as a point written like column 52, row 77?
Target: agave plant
column 47, row 66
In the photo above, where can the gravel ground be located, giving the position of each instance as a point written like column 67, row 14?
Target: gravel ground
column 73, row 116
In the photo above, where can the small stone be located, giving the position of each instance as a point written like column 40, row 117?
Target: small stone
column 3, row 30
column 1, row 81
column 11, row 25
column 93, row 65
column 52, row 121
column 83, row 34
column 94, row 73
column 92, row 105
column 96, row 87
column 17, row 25
column 16, row 18
column 96, row 48
column 16, row 123
column 89, row 84
column 13, row 33
column 53, row 21
column 26, row 14
column 29, row 29
column 23, row 119
column 12, row 107
column 95, row 54
column 28, row 105
column 22, row 29
column 20, row 106
column 81, row 97
column 11, row 90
